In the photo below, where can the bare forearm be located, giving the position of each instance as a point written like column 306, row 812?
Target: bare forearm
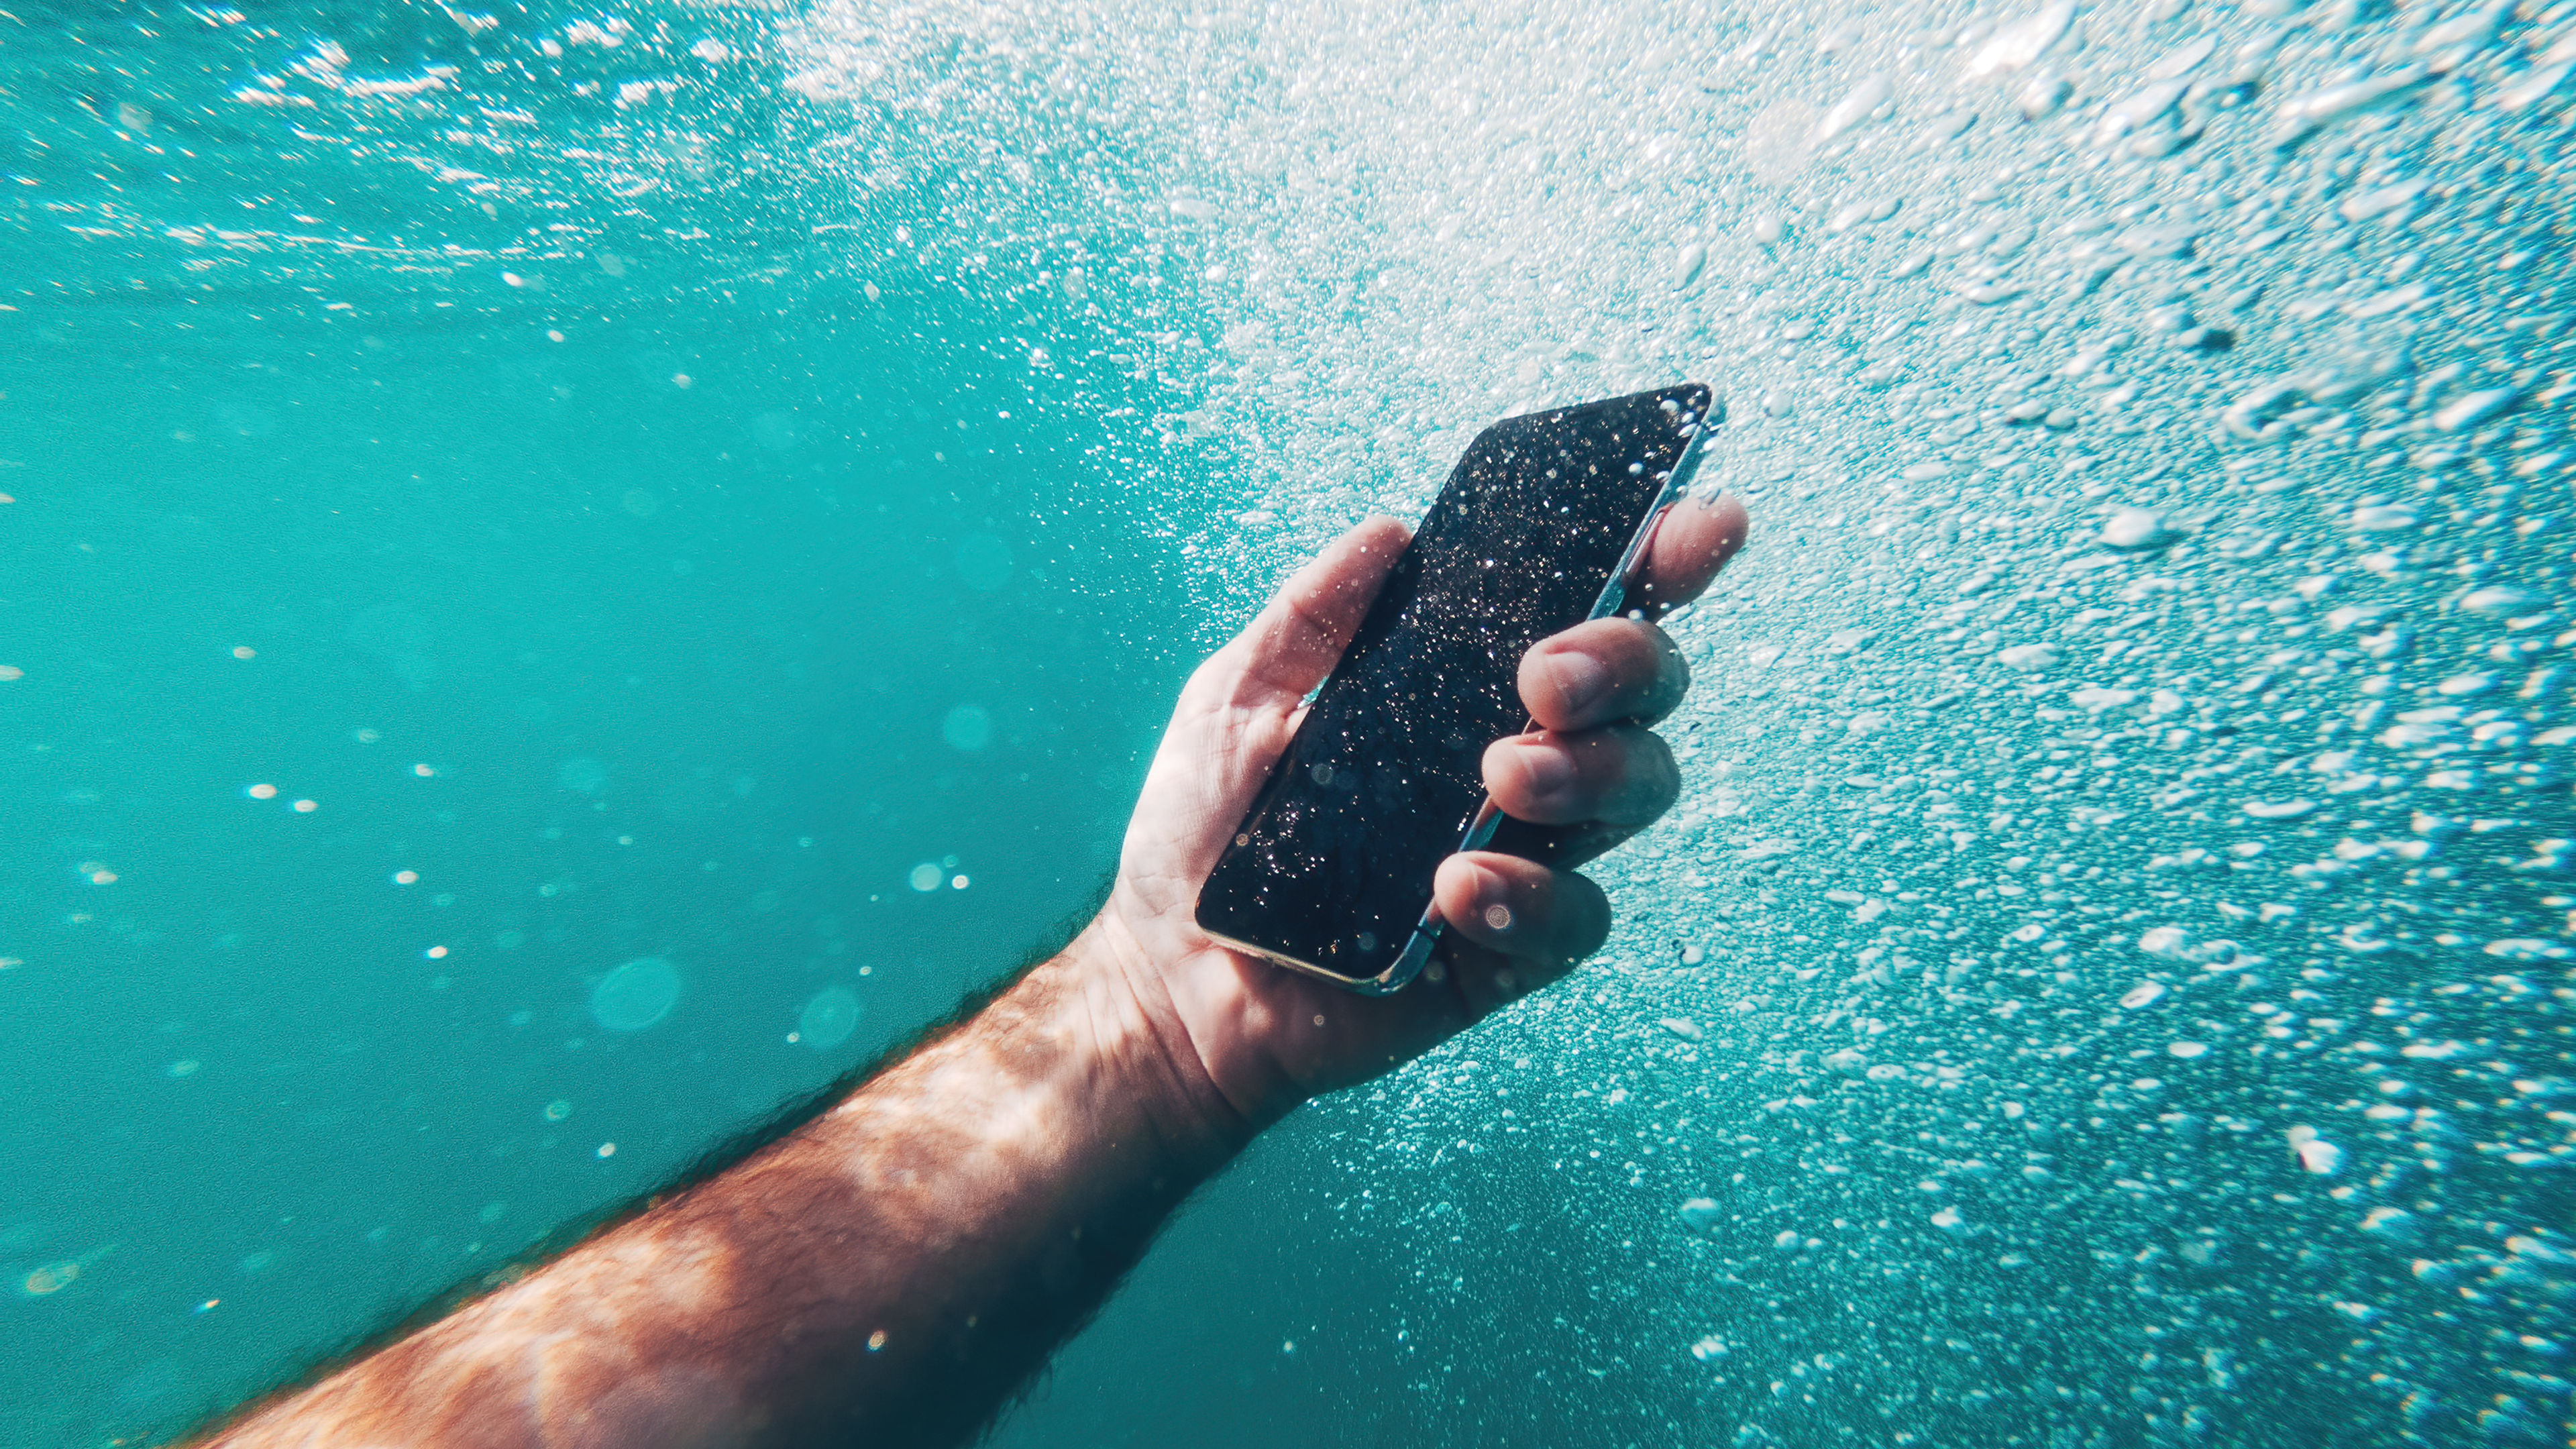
column 889, row 1273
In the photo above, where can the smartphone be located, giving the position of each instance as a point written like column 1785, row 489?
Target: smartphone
column 1539, row 529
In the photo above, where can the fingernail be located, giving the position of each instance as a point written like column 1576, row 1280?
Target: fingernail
column 1580, row 679
column 1545, row 768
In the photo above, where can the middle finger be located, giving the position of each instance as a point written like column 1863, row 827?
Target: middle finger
column 1619, row 775
column 1602, row 670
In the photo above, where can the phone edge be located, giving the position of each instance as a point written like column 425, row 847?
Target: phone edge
column 1427, row 932
column 1384, row 983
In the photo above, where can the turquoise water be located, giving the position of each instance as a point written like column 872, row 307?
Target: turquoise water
column 709, row 504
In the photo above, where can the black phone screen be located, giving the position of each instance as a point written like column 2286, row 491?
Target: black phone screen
column 1332, row 867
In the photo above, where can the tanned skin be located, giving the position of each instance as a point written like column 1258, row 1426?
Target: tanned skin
column 892, row 1271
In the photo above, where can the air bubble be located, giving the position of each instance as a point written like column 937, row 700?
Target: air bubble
column 829, row 1018
column 636, row 995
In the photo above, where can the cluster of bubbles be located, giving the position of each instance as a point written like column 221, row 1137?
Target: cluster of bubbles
column 2106, row 973
column 2120, row 887
column 2105, row 981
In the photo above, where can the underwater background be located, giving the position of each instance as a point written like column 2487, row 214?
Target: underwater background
column 570, row 573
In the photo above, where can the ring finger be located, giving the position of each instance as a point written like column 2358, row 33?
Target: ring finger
column 1619, row 775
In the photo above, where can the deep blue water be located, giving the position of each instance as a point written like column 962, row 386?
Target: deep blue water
column 738, row 486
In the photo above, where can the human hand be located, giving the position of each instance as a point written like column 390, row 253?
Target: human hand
column 1253, row 1039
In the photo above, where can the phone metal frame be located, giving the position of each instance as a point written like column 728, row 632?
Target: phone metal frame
column 1426, row 933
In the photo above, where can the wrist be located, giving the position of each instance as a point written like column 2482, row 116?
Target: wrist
column 1145, row 1052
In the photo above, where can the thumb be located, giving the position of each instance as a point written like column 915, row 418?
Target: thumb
column 1238, row 711
column 1297, row 639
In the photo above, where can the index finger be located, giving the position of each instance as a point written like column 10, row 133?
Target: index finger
column 1692, row 541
